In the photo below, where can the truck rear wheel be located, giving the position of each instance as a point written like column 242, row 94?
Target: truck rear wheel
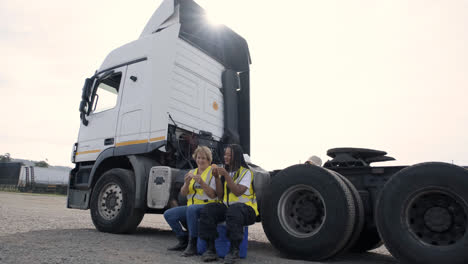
column 308, row 212
column 422, row 214
column 359, row 212
column 112, row 203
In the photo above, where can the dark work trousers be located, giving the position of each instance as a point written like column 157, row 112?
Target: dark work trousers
column 236, row 216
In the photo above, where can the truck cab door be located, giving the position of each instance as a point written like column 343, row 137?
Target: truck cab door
column 99, row 134
column 132, row 117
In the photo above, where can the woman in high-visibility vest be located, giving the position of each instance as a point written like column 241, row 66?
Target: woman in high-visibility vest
column 199, row 187
column 234, row 185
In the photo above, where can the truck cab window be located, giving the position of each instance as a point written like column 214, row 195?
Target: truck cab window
column 106, row 94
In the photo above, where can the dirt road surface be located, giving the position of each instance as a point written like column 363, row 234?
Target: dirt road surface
column 39, row 229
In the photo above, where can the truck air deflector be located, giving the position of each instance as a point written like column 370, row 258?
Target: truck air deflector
column 225, row 46
column 161, row 15
column 232, row 51
column 219, row 42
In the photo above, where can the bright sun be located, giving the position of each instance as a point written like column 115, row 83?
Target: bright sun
column 217, row 12
column 213, row 19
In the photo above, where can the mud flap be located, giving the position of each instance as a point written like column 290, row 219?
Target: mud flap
column 78, row 199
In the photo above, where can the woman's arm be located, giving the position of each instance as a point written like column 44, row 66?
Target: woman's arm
column 185, row 188
column 219, row 184
column 235, row 188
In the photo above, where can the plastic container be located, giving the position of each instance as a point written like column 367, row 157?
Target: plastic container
column 222, row 243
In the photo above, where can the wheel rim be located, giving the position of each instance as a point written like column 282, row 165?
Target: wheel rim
column 437, row 217
column 301, row 211
column 110, row 201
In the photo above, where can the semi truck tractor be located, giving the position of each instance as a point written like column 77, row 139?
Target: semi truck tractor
column 184, row 83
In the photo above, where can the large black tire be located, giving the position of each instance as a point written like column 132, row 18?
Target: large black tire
column 112, row 203
column 359, row 212
column 308, row 212
column 422, row 214
column 369, row 239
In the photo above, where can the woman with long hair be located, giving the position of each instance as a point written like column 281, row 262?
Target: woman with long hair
column 234, row 185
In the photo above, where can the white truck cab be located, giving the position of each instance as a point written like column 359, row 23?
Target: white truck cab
column 181, row 84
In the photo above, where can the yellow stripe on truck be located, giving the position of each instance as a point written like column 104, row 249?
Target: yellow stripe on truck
column 157, row 138
column 88, row 152
column 133, row 142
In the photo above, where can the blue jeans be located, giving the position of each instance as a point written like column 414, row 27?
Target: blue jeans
column 184, row 215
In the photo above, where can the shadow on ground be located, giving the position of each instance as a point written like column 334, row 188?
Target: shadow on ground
column 146, row 245
column 262, row 250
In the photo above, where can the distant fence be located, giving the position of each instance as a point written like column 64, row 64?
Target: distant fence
column 39, row 189
column 5, row 187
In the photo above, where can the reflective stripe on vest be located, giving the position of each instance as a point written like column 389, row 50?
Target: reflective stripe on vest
column 196, row 194
column 249, row 199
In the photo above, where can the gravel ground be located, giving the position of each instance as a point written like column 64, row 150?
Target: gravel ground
column 39, row 229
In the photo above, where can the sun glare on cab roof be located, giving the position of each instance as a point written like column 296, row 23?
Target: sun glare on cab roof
column 212, row 20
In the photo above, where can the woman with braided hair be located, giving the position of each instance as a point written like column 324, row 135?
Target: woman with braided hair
column 234, row 186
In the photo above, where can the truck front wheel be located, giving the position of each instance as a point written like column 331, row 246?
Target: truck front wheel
column 112, row 203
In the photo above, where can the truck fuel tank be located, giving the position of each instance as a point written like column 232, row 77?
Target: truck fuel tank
column 161, row 182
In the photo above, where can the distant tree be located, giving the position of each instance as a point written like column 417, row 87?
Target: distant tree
column 5, row 158
column 41, row 164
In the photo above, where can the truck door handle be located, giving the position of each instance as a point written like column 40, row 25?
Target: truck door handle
column 108, row 141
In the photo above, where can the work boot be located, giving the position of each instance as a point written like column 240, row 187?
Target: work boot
column 191, row 248
column 233, row 253
column 181, row 245
column 210, row 253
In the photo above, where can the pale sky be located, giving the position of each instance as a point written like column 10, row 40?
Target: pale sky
column 389, row 75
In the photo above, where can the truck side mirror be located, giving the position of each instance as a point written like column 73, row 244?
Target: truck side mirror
column 87, row 89
column 84, row 104
column 83, row 119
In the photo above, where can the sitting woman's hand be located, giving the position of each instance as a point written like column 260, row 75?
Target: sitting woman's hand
column 222, row 172
column 197, row 178
column 188, row 177
column 214, row 171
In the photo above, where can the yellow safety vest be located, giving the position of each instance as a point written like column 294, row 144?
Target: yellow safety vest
column 196, row 194
column 249, row 199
